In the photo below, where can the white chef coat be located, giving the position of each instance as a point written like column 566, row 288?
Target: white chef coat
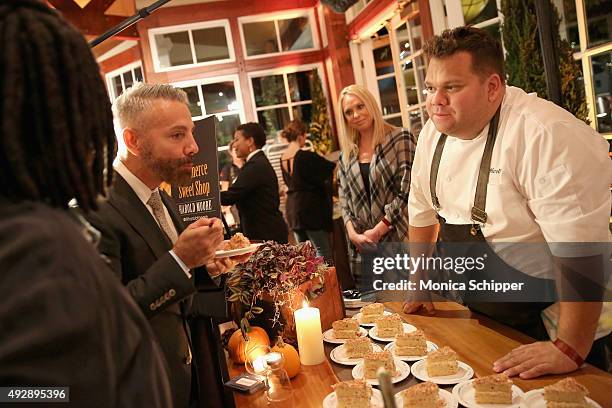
column 549, row 181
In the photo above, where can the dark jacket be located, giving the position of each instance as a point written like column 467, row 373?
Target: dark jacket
column 66, row 321
column 138, row 252
column 255, row 193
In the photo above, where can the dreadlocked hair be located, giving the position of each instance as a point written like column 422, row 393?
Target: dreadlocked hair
column 56, row 128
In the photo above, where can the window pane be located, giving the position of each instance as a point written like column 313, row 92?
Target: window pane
column 477, row 11
column 569, row 24
column 210, row 44
column 299, row 86
column 602, row 84
column 127, row 79
column 260, row 38
column 383, row 60
column 388, row 96
column 599, row 21
column 194, row 100
column 295, row 34
column 219, row 97
column 226, row 125
column 117, row 85
column 173, row 49
column 303, row 113
column 403, row 43
column 138, row 74
column 269, row 90
column 410, row 81
column 395, row 121
column 273, row 120
column 417, row 32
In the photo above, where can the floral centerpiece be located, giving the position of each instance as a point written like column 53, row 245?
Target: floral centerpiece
column 272, row 274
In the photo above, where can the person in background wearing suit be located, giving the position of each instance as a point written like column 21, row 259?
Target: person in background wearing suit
column 143, row 236
column 255, row 191
column 309, row 197
column 65, row 320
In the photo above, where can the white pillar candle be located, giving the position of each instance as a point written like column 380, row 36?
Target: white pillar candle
column 309, row 335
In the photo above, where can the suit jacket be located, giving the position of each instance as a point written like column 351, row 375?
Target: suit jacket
column 255, row 193
column 65, row 319
column 138, row 252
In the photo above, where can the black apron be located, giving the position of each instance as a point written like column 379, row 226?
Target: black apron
column 522, row 316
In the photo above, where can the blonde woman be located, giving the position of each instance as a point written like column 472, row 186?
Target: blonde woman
column 374, row 173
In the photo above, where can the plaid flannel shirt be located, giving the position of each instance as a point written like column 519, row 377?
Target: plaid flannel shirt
column 389, row 186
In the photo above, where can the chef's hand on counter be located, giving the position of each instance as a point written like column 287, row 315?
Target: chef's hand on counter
column 533, row 360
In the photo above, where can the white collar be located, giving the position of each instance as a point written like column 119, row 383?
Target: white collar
column 253, row 153
column 141, row 189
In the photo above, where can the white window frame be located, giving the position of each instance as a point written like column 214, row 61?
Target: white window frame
column 120, row 71
column 213, row 80
column 189, row 28
column 284, row 71
column 275, row 17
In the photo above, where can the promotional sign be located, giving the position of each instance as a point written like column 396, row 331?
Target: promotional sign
column 200, row 198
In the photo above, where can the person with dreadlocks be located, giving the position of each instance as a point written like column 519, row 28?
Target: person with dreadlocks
column 66, row 320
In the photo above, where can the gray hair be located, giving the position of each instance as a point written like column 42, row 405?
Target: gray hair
column 133, row 102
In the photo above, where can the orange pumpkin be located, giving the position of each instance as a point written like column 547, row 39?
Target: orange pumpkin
column 290, row 355
column 237, row 347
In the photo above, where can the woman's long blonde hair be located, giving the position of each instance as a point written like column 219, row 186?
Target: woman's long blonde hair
column 349, row 137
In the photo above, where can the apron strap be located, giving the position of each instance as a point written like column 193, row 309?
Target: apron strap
column 478, row 213
column 480, row 198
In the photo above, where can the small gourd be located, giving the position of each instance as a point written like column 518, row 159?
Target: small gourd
column 290, row 355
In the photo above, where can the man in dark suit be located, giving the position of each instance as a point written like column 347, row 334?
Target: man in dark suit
column 143, row 237
column 255, row 190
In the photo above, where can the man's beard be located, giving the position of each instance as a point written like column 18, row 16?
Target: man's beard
column 169, row 170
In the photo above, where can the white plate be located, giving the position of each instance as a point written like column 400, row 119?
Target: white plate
column 328, row 336
column 358, row 317
column 338, row 355
column 376, row 401
column 354, row 303
column 236, row 252
column 449, row 399
column 430, row 347
column 374, row 332
column 402, row 368
column 419, row 370
column 464, row 392
column 535, row 399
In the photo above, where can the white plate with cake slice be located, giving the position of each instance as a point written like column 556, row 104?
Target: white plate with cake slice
column 430, row 347
column 447, row 398
column 465, row 372
column 338, row 355
column 535, row 399
column 376, row 401
column 358, row 317
column 466, row 395
column 328, row 336
column 402, row 372
column 374, row 332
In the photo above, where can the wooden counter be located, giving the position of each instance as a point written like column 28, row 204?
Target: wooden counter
column 478, row 341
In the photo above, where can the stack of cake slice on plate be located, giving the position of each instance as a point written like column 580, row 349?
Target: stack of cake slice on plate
column 357, row 348
column 442, row 362
column 423, row 395
column 411, row 344
column 567, row 393
column 389, row 326
column 493, row 389
column 346, row 328
column 353, row 394
column 372, row 311
column 374, row 360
